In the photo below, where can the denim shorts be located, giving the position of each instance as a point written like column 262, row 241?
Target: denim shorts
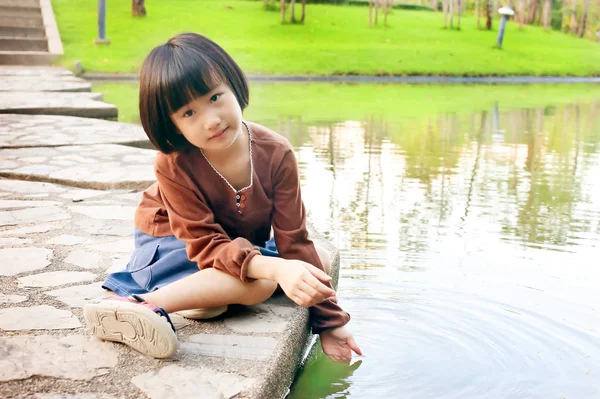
column 156, row 262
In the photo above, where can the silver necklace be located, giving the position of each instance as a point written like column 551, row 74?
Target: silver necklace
column 237, row 192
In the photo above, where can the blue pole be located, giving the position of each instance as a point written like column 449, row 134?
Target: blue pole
column 102, row 23
column 501, row 30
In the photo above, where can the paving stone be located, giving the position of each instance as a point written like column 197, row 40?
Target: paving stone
column 87, row 260
column 229, row 346
column 178, row 382
column 41, row 317
column 29, row 187
column 42, row 72
column 12, row 241
column 261, row 318
column 76, row 396
column 20, row 260
column 80, row 295
column 87, row 105
column 105, row 212
column 8, row 204
column 67, row 239
column 82, row 194
column 74, row 357
column 54, row 83
column 121, row 246
column 33, row 215
column 112, row 228
column 12, row 298
column 97, row 166
column 51, row 130
column 52, row 279
column 42, row 228
column 119, row 264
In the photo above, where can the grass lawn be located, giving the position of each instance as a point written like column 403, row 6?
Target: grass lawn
column 334, row 40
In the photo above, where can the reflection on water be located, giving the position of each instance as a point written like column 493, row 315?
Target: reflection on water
column 469, row 251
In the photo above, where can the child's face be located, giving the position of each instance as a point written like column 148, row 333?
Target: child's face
column 211, row 122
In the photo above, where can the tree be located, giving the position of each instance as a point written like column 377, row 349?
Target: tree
column 293, row 11
column 303, row 11
column 478, row 14
column 137, row 8
column 573, row 24
column 547, row 14
column 521, row 13
column 584, row 16
column 488, row 14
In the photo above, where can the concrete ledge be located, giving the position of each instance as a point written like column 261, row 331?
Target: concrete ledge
column 87, row 105
column 51, row 83
column 16, row 31
column 39, row 72
column 57, row 244
column 25, row 58
column 55, row 47
column 22, row 131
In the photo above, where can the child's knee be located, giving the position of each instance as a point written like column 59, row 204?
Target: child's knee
column 325, row 258
column 258, row 292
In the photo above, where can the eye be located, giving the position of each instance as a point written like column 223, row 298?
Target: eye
column 189, row 113
column 215, row 98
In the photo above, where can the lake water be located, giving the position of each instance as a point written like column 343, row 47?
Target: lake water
column 469, row 232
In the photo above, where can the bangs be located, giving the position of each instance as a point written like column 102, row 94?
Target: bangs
column 187, row 76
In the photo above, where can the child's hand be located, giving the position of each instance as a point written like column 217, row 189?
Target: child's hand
column 338, row 344
column 300, row 282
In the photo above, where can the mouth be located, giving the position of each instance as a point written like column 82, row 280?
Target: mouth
column 222, row 132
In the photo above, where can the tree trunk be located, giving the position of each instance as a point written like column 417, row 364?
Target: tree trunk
column 293, row 9
column 445, row 9
column 434, row 5
column 583, row 22
column 521, row 13
column 532, row 11
column 370, row 12
column 573, row 24
column 386, row 6
column 452, row 13
column 376, row 10
column 303, row 11
column 488, row 15
column 459, row 13
column 137, row 8
column 547, row 14
column 282, row 11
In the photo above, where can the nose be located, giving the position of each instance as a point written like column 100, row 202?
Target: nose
column 212, row 121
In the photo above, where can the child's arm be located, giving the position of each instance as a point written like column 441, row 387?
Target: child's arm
column 291, row 237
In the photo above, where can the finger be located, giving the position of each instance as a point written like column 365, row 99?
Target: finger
column 296, row 299
column 319, row 286
column 305, row 300
column 352, row 344
column 318, row 273
column 316, row 296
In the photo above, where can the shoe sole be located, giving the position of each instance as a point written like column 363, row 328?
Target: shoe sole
column 133, row 325
column 203, row 314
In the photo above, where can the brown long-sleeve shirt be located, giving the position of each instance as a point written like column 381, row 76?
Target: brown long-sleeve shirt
column 191, row 201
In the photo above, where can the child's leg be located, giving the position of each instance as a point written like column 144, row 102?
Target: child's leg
column 325, row 258
column 209, row 288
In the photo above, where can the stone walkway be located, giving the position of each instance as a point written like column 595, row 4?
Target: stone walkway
column 59, row 241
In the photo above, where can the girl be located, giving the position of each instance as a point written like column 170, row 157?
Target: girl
column 202, row 233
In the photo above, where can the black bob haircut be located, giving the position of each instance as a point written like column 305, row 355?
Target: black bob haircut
column 174, row 74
